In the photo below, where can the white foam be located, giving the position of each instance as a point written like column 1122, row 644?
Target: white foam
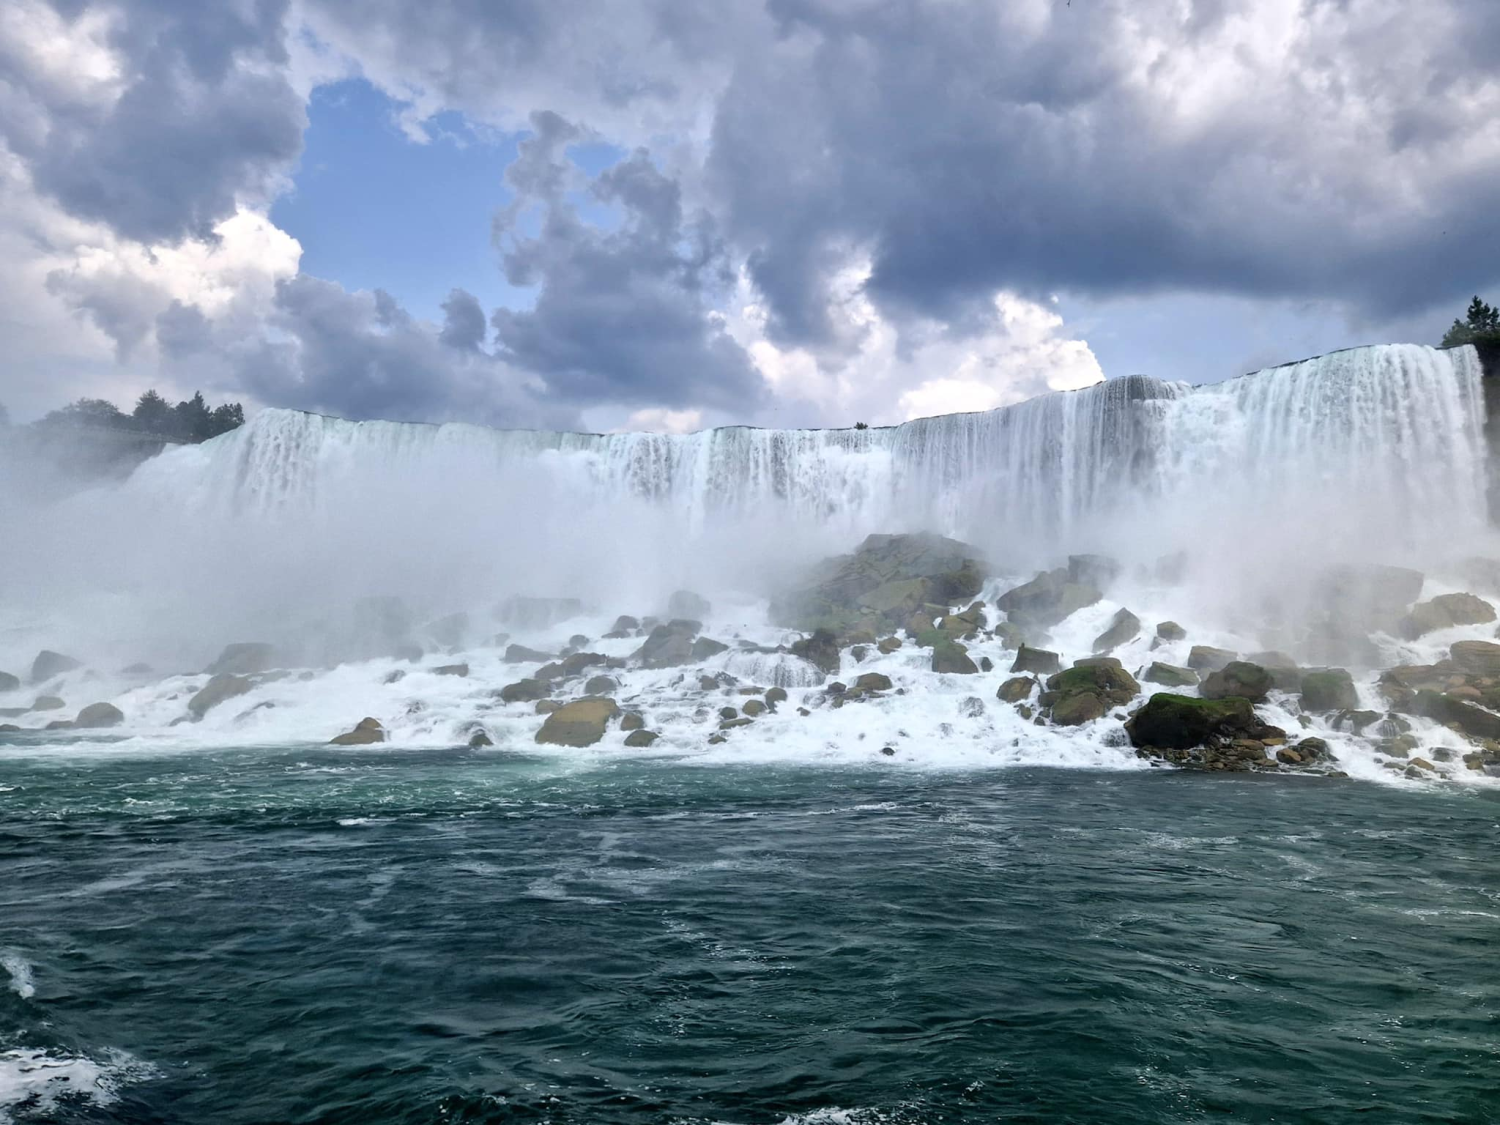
column 22, row 982
column 48, row 1081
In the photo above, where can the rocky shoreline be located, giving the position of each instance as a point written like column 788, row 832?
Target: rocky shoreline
column 913, row 602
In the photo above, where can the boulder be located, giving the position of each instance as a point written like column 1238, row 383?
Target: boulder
column 776, row 695
column 480, row 738
column 727, row 713
column 637, row 739
column 579, row 723
column 48, row 703
column 1237, row 678
column 1009, row 634
column 1203, row 658
column 1449, row 710
column 706, row 647
column 625, row 625
column 1477, row 658
column 1047, row 599
column 1030, row 659
column 669, row 645
column 1285, row 675
column 600, row 685
column 1087, row 691
column 1093, row 570
column 520, row 654
column 888, row 645
column 821, row 650
column 365, row 731
column 1170, row 675
column 953, row 658
column 99, row 715
column 537, row 613
column 1444, row 612
column 546, row 706
column 685, row 603
column 49, row 664
column 1170, row 631
column 216, row 691
column 886, row 580
column 1124, row 626
column 632, row 720
column 244, row 659
column 9, row 682
column 1180, row 722
column 451, row 670
column 1017, row 689
column 59, row 724
column 1328, row 689
column 525, row 691
column 869, row 682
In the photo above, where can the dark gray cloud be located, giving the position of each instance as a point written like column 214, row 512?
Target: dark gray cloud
column 463, row 321
column 200, row 115
column 622, row 315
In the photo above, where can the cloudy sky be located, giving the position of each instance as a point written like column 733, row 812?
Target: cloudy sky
column 668, row 213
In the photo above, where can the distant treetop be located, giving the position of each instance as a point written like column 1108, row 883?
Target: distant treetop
column 191, row 420
column 1481, row 323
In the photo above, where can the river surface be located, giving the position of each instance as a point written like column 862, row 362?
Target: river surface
column 317, row 935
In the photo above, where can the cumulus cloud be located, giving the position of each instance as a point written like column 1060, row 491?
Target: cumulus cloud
column 623, row 314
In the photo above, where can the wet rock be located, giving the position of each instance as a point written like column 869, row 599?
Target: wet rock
column 971, row 707
column 886, row 580
column 1205, row 658
column 624, row 625
column 706, row 647
column 525, row 691
column 753, row 707
column 480, row 738
column 821, row 650
column 1329, row 689
column 1421, row 764
column 632, row 720
column 451, row 670
column 1237, row 678
column 731, row 724
column 48, row 703
column 1093, row 570
column 1009, row 634
column 525, row 613
column 888, row 645
column 986, row 664
column 776, row 695
column 1087, row 691
column 579, row 723
column 520, row 654
column 394, row 677
column 49, row 664
column 1047, row 599
column 1180, row 722
column 546, row 706
column 9, row 682
column 11, row 728
column 99, row 715
column 638, row 739
column 953, row 659
column 1123, row 627
column 717, row 739
column 1477, row 658
column 669, row 645
column 872, row 682
column 365, row 732
column 1170, row 631
column 244, row 659
column 216, row 691
column 1016, row 689
column 1170, row 675
column 685, row 603
column 1285, row 675
column 1467, row 717
column 600, row 685
column 1444, row 612
column 59, row 724
column 729, row 713
column 1030, row 659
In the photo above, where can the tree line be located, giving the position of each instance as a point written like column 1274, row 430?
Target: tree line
column 191, row 420
column 1480, row 325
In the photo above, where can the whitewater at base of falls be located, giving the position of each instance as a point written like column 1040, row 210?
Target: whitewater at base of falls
column 271, row 533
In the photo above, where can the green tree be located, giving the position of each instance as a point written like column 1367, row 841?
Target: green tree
column 87, row 412
column 194, row 419
column 1482, row 322
column 226, row 417
column 154, row 414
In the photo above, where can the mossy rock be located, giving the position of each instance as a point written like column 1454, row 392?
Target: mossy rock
column 952, row 658
column 1030, row 659
column 1180, row 722
column 1237, row 678
column 1330, row 689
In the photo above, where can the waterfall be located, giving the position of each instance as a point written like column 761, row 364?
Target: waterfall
column 1400, row 422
